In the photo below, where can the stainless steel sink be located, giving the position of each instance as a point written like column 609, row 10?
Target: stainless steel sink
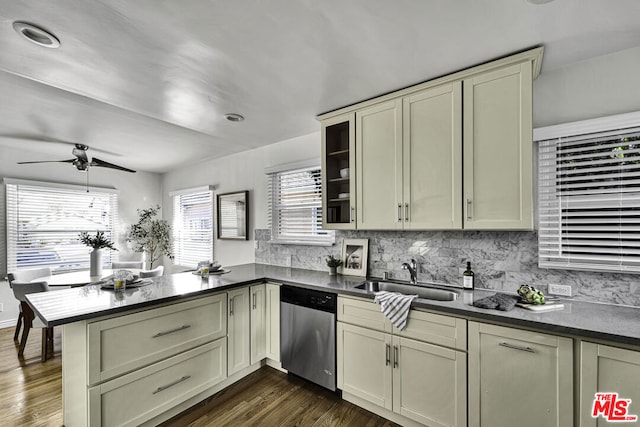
column 421, row 291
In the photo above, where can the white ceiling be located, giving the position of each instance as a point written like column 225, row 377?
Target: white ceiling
column 145, row 83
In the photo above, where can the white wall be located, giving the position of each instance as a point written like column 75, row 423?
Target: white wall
column 239, row 172
column 139, row 190
column 601, row 86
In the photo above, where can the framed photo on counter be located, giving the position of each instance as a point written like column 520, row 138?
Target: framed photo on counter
column 354, row 257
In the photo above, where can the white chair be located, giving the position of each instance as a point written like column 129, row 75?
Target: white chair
column 20, row 290
column 26, row 276
column 158, row 271
column 127, row 264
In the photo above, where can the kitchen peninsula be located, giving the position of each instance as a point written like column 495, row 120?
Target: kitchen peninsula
column 93, row 317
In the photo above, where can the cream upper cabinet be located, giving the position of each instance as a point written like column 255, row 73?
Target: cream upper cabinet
column 238, row 324
column 379, row 166
column 338, row 172
column 607, row 369
column 519, row 378
column 258, row 323
column 498, row 189
column 432, row 158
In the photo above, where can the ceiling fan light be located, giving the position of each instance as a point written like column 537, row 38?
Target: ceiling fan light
column 36, row 34
column 234, row 117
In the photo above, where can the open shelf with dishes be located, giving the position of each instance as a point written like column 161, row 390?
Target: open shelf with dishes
column 338, row 161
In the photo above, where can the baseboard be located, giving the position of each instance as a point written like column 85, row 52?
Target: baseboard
column 385, row 413
column 275, row 365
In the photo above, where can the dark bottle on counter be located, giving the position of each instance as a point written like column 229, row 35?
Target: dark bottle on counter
column 467, row 277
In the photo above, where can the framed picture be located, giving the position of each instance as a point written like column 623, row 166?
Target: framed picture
column 354, row 257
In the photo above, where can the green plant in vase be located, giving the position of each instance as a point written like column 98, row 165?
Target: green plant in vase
column 333, row 263
column 97, row 242
column 151, row 236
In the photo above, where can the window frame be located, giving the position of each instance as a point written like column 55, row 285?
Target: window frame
column 69, row 258
column 584, row 194
column 318, row 236
column 183, row 256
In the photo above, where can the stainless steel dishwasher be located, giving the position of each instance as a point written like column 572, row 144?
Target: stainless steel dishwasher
column 308, row 334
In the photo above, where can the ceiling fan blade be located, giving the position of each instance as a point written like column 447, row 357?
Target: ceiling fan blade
column 103, row 164
column 48, row 161
column 46, row 140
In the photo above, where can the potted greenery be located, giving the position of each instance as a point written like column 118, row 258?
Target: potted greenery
column 333, row 263
column 151, row 236
column 97, row 242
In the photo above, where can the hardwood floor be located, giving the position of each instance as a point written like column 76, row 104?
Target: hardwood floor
column 31, row 395
column 30, row 391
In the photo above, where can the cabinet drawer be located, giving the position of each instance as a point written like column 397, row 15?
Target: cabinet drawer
column 137, row 397
column 126, row 343
column 362, row 313
column 436, row 329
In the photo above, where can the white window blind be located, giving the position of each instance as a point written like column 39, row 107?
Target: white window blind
column 589, row 201
column 295, row 207
column 44, row 220
column 192, row 228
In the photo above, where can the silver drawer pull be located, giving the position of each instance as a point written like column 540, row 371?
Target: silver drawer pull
column 515, row 347
column 164, row 387
column 353, row 214
column 181, row 328
column 399, row 212
column 255, row 305
column 406, row 212
column 395, row 356
column 388, row 359
column 468, row 208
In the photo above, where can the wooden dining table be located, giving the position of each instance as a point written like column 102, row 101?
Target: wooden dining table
column 78, row 278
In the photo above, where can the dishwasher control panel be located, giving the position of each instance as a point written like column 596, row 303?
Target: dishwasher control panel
column 310, row 298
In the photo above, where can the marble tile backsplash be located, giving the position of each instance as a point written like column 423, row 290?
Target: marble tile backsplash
column 501, row 260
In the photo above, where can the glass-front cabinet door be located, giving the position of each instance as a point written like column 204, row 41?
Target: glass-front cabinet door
column 338, row 172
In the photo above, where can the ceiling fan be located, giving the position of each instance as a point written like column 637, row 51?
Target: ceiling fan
column 82, row 162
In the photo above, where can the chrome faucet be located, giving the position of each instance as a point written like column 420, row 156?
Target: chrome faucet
column 413, row 270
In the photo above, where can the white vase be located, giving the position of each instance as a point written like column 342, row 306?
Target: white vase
column 95, row 266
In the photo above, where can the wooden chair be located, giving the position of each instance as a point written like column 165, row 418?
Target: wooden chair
column 25, row 276
column 158, row 271
column 20, row 291
column 127, row 264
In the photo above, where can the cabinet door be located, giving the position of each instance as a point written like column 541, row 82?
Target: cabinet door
column 258, row 323
column 498, row 149
column 432, row 151
column 608, row 369
column 338, row 154
column 273, row 322
column 429, row 383
column 239, row 330
column 364, row 364
column 379, row 166
column 519, row 378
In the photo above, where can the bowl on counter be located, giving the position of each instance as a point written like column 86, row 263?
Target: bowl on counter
column 344, row 173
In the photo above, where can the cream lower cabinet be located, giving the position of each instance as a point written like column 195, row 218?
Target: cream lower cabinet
column 258, row 323
column 418, row 380
column 239, row 330
column 519, row 378
column 273, row 321
column 608, row 369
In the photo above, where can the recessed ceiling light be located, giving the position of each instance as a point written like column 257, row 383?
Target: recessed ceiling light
column 539, row 1
column 36, row 35
column 233, row 117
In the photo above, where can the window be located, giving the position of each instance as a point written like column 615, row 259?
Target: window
column 589, row 195
column 44, row 220
column 193, row 226
column 295, row 198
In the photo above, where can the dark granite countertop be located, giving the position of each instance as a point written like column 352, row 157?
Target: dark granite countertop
column 589, row 320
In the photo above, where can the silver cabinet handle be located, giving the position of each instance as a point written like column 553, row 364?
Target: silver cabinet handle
column 468, row 208
column 254, row 301
column 231, row 306
column 395, row 356
column 353, row 214
column 388, row 355
column 164, row 387
column 515, row 347
column 161, row 334
column 406, row 212
column 399, row 212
